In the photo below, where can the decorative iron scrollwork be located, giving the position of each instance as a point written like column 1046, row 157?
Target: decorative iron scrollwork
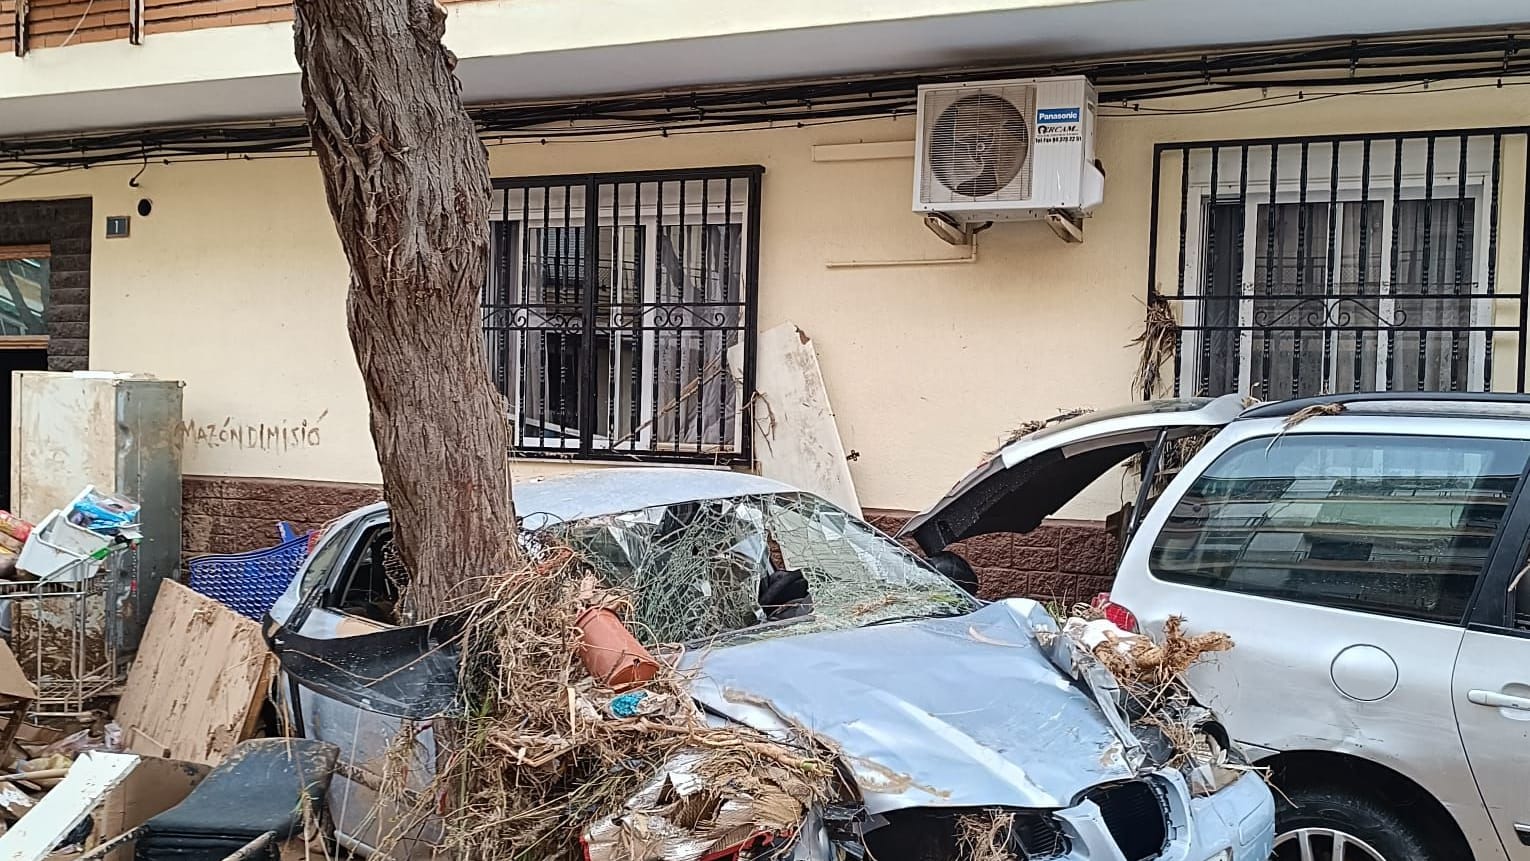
column 679, row 316
column 1336, row 312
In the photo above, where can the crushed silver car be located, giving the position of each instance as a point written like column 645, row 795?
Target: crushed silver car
column 795, row 614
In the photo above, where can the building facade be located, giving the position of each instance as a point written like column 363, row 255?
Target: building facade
column 1278, row 220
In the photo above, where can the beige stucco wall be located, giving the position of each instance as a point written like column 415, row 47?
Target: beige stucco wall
column 236, row 285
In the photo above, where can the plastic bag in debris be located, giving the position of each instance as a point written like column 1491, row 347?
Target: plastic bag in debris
column 73, row 745
column 70, row 745
column 1094, row 633
column 103, row 513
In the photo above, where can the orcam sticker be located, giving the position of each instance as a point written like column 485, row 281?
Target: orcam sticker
column 1058, row 125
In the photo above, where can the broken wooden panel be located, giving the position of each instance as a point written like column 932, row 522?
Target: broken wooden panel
column 796, row 440
column 91, row 778
column 154, row 786
column 195, row 688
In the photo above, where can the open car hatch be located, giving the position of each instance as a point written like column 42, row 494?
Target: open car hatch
column 1029, row 479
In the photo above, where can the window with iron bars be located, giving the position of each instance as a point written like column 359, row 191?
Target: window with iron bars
column 1335, row 264
column 619, row 313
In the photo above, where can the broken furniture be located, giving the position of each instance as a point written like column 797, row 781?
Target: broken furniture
column 198, row 680
column 266, row 785
column 62, row 810
column 152, row 787
column 17, row 693
column 105, row 798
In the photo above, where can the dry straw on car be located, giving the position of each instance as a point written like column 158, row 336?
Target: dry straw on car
column 539, row 757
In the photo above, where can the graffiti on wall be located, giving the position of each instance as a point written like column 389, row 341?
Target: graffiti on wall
column 277, row 436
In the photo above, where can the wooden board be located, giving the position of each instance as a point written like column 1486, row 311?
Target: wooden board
column 196, row 687
column 91, row 777
column 796, row 439
column 25, row 252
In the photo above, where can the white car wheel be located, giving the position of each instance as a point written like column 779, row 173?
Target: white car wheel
column 1323, row 844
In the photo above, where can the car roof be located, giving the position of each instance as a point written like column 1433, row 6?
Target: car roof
column 1510, row 405
column 1171, row 412
column 1031, row 477
column 598, row 491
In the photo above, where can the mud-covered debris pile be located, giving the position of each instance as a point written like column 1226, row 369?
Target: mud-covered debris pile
column 38, row 760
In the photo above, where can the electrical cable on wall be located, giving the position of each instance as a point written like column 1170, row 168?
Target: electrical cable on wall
column 1390, row 66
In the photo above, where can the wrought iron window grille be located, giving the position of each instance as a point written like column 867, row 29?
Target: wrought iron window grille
column 620, row 313
column 1339, row 263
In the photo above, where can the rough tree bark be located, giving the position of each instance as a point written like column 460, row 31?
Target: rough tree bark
column 408, row 185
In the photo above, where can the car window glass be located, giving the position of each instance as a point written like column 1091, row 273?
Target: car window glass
column 369, row 587
column 1398, row 525
column 324, row 559
column 769, row 565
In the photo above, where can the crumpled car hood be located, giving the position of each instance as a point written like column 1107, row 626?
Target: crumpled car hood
column 963, row 711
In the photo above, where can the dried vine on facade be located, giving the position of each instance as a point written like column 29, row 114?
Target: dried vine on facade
column 1160, row 333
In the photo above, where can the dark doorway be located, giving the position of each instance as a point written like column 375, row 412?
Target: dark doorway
column 25, row 282
column 44, row 298
column 13, row 360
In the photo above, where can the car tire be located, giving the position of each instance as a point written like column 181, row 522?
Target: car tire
column 1324, row 815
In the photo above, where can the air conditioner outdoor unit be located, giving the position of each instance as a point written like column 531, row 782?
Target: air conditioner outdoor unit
column 1007, row 150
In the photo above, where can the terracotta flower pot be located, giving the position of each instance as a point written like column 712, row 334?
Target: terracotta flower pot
column 609, row 651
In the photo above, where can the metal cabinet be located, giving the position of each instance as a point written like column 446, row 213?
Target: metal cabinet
column 119, row 432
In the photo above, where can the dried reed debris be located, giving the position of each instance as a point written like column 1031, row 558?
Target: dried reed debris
column 547, row 763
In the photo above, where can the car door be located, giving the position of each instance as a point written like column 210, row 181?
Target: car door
column 1491, row 689
column 337, row 607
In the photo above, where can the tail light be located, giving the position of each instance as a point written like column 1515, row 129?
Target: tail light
column 1118, row 615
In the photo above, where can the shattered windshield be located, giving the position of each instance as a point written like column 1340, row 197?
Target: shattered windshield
column 768, row 565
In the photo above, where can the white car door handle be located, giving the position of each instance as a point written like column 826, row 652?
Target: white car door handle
column 1493, row 699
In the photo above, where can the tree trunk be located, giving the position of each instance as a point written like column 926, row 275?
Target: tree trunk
column 408, row 185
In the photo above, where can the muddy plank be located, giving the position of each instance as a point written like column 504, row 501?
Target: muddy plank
column 197, row 683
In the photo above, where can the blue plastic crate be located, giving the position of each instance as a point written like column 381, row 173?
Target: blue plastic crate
column 248, row 583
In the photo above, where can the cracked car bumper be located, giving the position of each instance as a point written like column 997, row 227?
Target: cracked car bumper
column 1238, row 822
column 1235, row 824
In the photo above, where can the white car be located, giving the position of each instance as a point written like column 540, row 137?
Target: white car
column 1367, row 554
column 937, row 703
